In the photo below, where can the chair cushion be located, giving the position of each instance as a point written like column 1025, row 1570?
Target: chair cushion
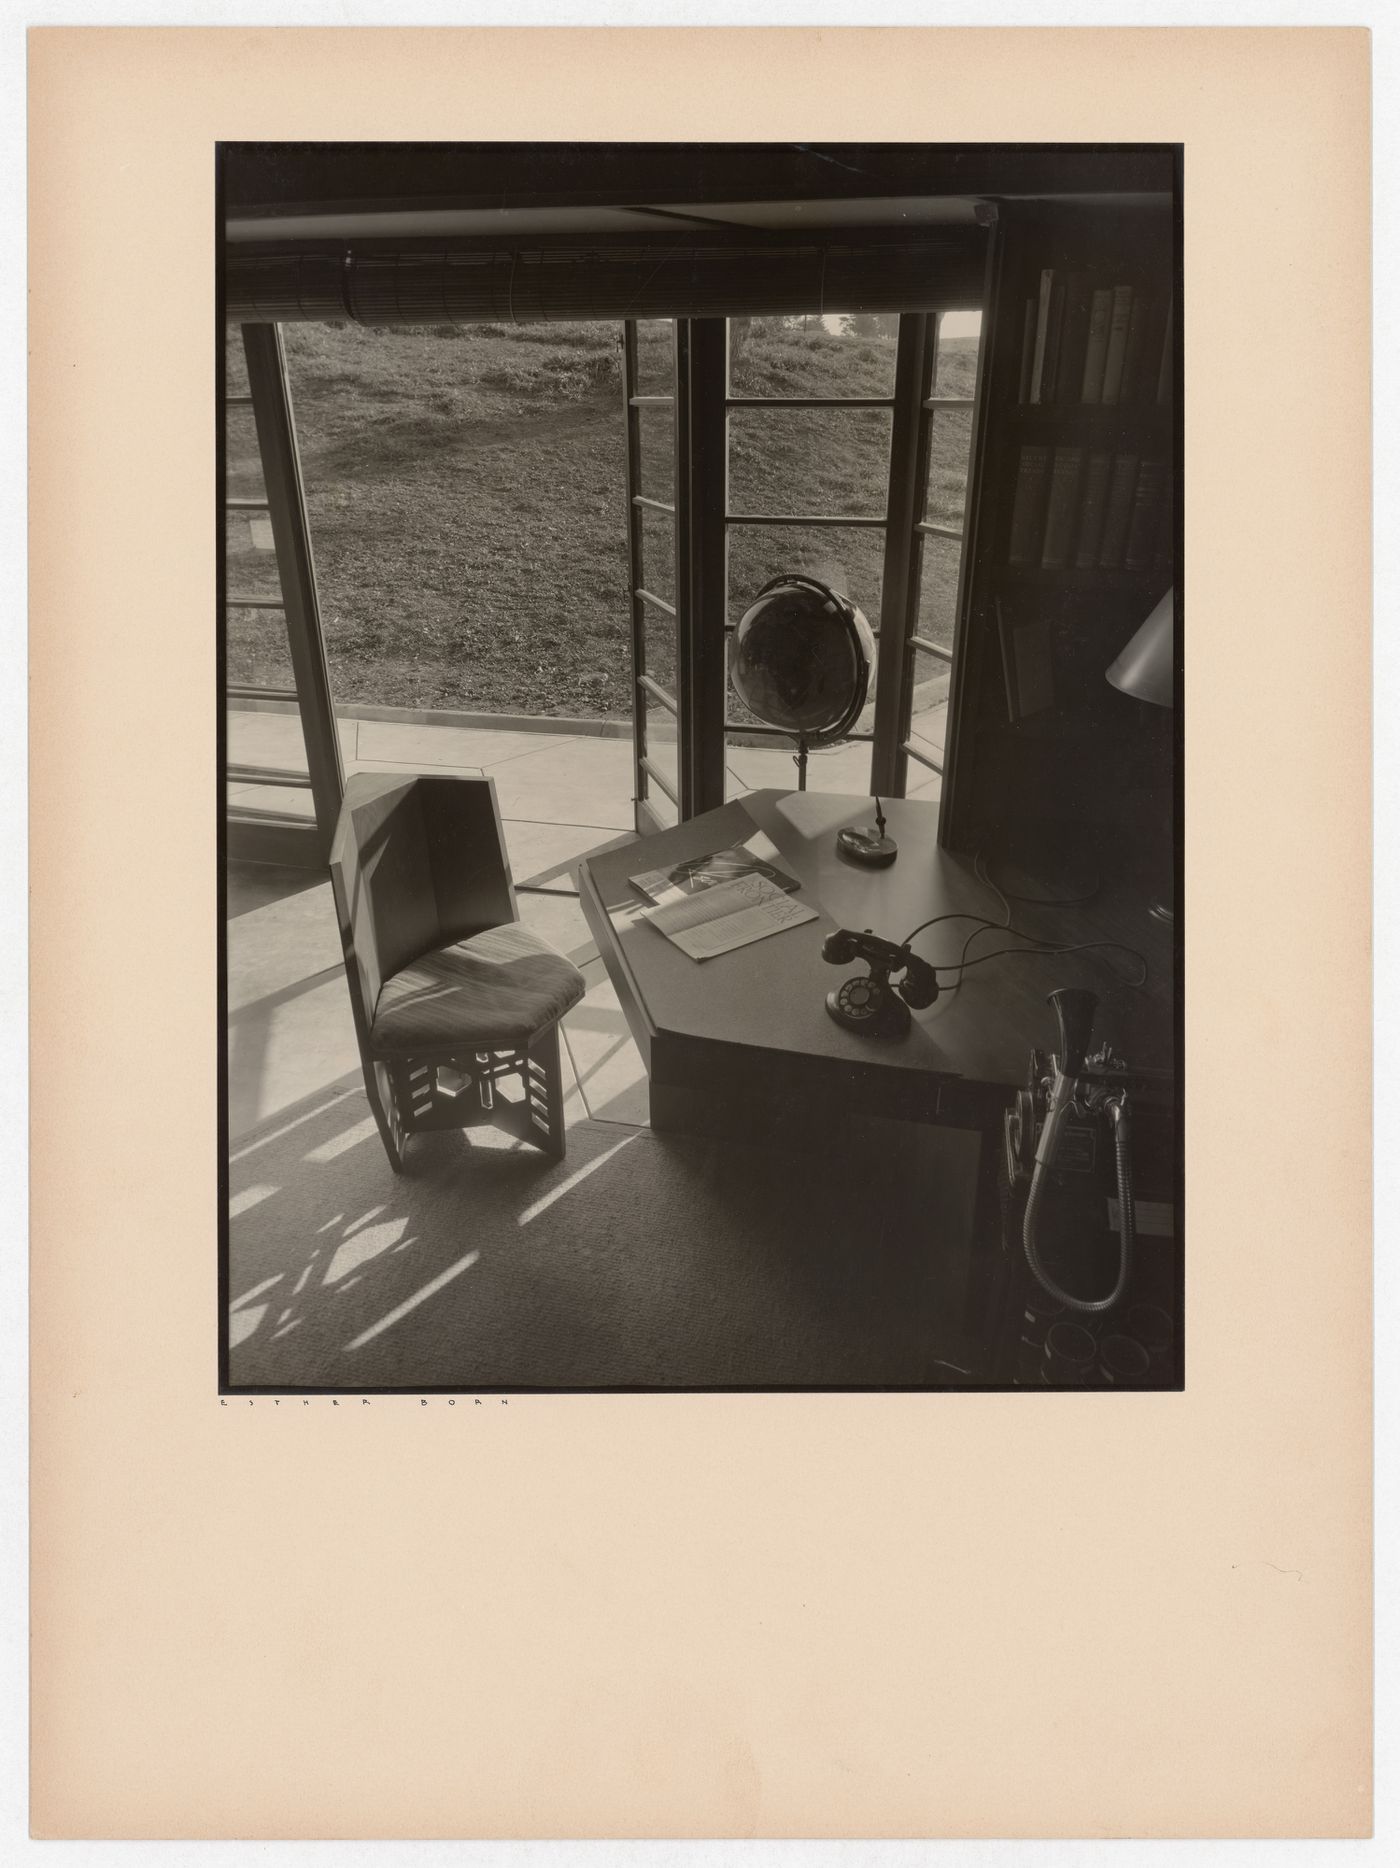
column 496, row 989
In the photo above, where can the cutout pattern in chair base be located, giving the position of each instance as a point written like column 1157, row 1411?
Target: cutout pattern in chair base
column 472, row 1090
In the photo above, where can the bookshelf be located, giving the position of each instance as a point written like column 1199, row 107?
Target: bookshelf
column 1073, row 538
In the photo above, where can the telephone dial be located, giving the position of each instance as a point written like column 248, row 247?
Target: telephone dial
column 868, row 1003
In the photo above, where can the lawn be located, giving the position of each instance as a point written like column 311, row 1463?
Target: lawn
column 466, row 495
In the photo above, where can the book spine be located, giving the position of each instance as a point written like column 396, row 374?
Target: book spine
column 1139, row 328
column 1096, row 346
column 1166, row 531
column 1121, row 488
column 1146, row 517
column 1023, row 392
column 1063, row 503
column 1035, row 674
column 1086, row 553
column 1117, row 349
column 1049, row 376
column 1028, row 509
column 1164, row 374
column 1042, row 319
column 1008, row 663
column 1069, row 376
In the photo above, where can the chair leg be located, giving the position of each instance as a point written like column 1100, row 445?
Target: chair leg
column 544, row 1090
column 379, row 1086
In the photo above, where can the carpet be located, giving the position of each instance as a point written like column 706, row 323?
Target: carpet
column 640, row 1261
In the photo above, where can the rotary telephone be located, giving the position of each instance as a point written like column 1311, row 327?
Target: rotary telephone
column 868, row 1003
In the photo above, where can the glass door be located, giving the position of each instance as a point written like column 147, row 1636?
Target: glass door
column 283, row 775
column 836, row 447
column 649, row 399
column 847, row 463
column 936, row 400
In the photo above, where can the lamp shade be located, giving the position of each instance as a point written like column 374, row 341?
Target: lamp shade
column 1144, row 667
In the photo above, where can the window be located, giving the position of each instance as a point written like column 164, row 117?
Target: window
column 848, row 464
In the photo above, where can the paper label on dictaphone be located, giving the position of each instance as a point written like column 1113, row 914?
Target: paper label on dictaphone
column 1078, row 1149
column 1153, row 1218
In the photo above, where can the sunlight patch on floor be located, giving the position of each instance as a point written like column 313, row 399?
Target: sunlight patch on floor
column 344, row 1142
column 354, row 1226
column 556, row 1193
column 244, row 1323
column 256, row 1291
column 306, row 1272
column 366, row 1244
column 250, row 1197
column 430, row 1289
column 273, row 1135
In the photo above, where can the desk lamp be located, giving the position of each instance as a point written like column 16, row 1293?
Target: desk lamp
column 1145, row 668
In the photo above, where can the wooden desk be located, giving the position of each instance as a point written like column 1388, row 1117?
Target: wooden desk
column 742, row 1045
column 751, row 1027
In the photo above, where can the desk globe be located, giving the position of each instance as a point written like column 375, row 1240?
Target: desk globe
column 800, row 660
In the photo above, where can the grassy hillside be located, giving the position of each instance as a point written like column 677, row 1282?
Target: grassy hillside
column 467, row 503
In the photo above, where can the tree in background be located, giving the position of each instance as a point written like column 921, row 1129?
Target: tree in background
column 870, row 324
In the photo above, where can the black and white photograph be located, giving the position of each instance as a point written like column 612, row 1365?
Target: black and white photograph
column 701, row 658
column 703, row 1086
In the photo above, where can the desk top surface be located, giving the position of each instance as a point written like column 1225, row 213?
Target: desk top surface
column 772, row 994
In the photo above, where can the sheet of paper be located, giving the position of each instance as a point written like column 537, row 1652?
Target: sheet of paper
column 750, row 924
column 726, row 898
column 730, row 916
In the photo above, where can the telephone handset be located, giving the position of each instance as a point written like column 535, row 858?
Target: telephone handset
column 869, row 1003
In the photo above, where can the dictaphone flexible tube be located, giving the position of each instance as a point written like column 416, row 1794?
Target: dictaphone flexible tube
column 1116, row 1108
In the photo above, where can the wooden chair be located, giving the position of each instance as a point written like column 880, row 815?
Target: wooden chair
column 452, row 996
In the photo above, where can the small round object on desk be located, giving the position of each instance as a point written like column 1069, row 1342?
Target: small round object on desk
column 866, row 846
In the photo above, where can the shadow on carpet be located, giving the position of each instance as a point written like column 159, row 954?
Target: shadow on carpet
column 640, row 1261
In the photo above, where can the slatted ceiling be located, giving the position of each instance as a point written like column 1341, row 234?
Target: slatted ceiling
column 656, row 280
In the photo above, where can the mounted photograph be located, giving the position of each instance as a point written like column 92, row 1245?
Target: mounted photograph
column 700, row 727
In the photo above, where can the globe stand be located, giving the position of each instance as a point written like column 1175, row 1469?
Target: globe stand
column 799, row 759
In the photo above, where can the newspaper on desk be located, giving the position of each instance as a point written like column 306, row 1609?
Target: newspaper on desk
column 733, row 914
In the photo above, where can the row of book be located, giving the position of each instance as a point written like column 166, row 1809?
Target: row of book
column 1086, row 343
column 1089, row 509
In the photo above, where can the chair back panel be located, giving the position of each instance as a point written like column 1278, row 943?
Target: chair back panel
column 467, row 852
column 383, row 883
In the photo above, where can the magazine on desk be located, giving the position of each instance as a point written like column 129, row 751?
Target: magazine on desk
column 682, row 880
column 712, row 904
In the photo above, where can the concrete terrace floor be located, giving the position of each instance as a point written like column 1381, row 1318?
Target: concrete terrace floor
column 561, row 794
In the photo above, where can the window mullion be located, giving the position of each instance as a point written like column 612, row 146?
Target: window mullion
column 636, row 571
column 286, row 508
column 914, row 377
